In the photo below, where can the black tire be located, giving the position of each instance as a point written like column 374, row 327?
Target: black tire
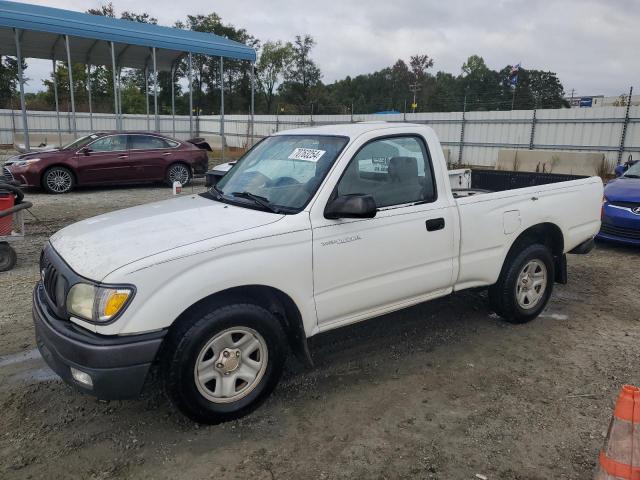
column 503, row 296
column 178, row 171
column 190, row 338
column 66, row 183
column 8, row 257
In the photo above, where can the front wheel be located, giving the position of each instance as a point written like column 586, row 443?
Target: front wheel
column 525, row 285
column 58, row 180
column 222, row 365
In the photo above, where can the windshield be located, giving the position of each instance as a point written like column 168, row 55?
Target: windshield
column 282, row 173
column 633, row 171
column 80, row 142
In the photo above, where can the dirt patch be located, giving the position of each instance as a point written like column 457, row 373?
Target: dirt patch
column 443, row 390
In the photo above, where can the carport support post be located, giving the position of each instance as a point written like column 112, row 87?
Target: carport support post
column 155, row 91
column 173, row 100
column 71, row 95
column 253, row 90
column 23, row 105
column 115, row 85
column 222, row 139
column 190, row 97
column 89, row 92
column 146, row 94
column 55, row 98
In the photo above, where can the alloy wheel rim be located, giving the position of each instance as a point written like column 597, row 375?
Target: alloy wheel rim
column 531, row 284
column 231, row 365
column 59, row 181
column 179, row 173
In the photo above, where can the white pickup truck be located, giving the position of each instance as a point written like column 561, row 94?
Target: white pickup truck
column 311, row 230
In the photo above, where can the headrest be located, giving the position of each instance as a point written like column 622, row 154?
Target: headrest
column 403, row 168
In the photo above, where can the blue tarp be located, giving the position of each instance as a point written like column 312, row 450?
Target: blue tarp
column 43, row 25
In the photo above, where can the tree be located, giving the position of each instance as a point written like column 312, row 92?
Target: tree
column 275, row 60
column 8, row 79
column 302, row 74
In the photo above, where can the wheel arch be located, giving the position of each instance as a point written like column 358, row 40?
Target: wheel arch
column 548, row 234
column 270, row 298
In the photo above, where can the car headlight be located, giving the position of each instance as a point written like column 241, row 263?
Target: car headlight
column 97, row 304
column 24, row 163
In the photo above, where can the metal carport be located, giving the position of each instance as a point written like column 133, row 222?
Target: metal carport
column 73, row 37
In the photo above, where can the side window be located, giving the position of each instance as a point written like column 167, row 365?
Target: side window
column 112, row 143
column 146, row 142
column 395, row 171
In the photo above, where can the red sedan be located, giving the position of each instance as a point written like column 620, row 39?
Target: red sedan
column 110, row 158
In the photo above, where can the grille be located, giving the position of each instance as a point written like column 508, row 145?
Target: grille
column 54, row 284
column 7, row 176
column 625, row 204
column 631, row 233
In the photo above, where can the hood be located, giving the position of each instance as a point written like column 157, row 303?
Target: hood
column 26, row 156
column 623, row 190
column 97, row 246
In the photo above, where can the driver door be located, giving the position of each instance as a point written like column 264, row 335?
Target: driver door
column 106, row 161
column 404, row 255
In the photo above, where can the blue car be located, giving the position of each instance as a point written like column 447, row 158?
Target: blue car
column 621, row 208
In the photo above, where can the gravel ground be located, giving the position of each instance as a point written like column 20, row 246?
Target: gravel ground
column 443, row 390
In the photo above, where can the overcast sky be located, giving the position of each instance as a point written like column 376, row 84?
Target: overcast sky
column 591, row 44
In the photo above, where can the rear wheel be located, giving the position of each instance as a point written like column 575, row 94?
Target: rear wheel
column 525, row 285
column 178, row 172
column 8, row 257
column 222, row 365
column 58, row 180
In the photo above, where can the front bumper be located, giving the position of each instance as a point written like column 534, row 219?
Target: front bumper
column 118, row 366
column 621, row 225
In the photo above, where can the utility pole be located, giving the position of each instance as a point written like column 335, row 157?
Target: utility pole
column 624, row 127
column 460, row 145
column 415, row 88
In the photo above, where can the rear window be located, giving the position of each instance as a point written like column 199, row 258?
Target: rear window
column 147, row 142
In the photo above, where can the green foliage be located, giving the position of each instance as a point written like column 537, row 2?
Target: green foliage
column 288, row 77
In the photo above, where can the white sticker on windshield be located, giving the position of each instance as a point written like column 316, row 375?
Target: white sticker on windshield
column 308, row 154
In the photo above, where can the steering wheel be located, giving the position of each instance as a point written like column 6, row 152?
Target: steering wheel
column 282, row 182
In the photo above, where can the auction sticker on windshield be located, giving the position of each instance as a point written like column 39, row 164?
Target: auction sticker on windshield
column 308, row 154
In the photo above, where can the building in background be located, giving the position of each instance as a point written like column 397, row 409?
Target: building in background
column 586, row 101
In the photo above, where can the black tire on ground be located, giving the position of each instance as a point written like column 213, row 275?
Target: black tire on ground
column 8, row 257
column 58, row 180
column 515, row 283
column 180, row 172
column 187, row 346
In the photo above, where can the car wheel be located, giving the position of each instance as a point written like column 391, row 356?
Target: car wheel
column 222, row 365
column 8, row 257
column 525, row 285
column 178, row 172
column 58, row 180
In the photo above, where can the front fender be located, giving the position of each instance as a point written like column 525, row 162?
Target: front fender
column 167, row 287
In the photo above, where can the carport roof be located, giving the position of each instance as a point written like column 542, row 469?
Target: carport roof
column 43, row 29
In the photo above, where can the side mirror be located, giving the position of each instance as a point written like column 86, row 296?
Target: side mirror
column 86, row 150
column 620, row 169
column 351, row 206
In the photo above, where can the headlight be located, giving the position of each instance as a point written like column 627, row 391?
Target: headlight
column 24, row 163
column 97, row 304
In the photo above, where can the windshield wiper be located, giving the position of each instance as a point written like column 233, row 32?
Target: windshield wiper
column 262, row 201
column 216, row 192
column 633, row 175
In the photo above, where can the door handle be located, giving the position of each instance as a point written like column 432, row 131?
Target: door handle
column 166, row 153
column 434, row 224
column 123, row 156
